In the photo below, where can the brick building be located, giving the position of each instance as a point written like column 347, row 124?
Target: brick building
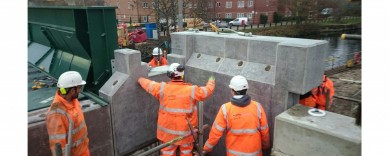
column 217, row 9
column 142, row 9
column 230, row 9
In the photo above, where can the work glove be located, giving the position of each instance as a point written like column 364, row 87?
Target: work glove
column 212, row 78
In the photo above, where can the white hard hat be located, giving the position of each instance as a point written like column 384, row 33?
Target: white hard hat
column 173, row 68
column 238, row 83
column 157, row 51
column 70, row 79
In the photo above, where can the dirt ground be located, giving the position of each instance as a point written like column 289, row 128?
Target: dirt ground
column 347, row 84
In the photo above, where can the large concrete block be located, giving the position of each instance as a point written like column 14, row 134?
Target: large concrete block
column 132, row 110
column 100, row 132
column 178, row 43
column 205, row 62
column 112, row 85
column 301, row 66
column 259, row 72
column 298, row 133
column 210, row 45
column 175, row 58
column 236, row 49
column 125, row 56
column 231, row 67
column 263, row 52
column 182, row 44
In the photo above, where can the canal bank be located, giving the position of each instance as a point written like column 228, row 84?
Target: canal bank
column 305, row 30
column 309, row 28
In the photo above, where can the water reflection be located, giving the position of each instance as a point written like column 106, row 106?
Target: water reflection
column 339, row 51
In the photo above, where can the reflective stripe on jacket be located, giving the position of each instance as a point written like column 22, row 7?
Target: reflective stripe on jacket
column 247, row 131
column 59, row 116
column 177, row 103
column 153, row 62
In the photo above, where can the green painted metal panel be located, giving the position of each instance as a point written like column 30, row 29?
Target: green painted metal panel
column 51, row 16
column 80, row 38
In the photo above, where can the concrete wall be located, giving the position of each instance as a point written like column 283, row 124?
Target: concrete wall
column 97, row 119
column 298, row 133
column 133, row 111
column 278, row 69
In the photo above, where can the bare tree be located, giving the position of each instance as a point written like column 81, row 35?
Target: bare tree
column 299, row 8
column 165, row 12
column 197, row 9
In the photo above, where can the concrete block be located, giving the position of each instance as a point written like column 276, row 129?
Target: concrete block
column 236, row 49
column 205, row 62
column 210, row 45
column 132, row 110
column 182, row 44
column 112, row 85
column 124, row 58
column 301, row 57
column 100, row 131
column 298, row 133
column 259, row 72
column 231, row 67
column 263, row 52
column 178, row 43
column 315, row 67
column 175, row 58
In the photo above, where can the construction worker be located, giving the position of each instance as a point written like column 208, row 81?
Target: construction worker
column 177, row 107
column 158, row 58
column 244, row 121
column 308, row 99
column 65, row 115
column 324, row 93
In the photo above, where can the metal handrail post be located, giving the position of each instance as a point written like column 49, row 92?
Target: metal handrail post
column 200, row 119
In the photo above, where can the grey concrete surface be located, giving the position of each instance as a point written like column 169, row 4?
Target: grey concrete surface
column 133, row 111
column 269, row 63
column 298, row 133
column 278, row 69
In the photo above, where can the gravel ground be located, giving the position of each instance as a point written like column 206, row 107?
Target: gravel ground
column 347, row 84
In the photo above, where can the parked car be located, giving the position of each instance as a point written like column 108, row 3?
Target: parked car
column 222, row 24
column 237, row 21
column 327, row 11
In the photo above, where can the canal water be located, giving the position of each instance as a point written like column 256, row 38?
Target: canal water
column 339, row 51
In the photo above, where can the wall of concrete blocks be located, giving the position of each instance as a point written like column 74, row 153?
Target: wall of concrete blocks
column 278, row 69
column 133, row 111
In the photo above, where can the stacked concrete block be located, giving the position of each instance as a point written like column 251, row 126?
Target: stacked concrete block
column 299, row 133
column 278, row 69
column 133, row 111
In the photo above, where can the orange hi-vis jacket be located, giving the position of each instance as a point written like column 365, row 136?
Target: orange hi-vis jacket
column 321, row 91
column 177, row 103
column 246, row 128
column 153, row 62
column 59, row 116
column 309, row 100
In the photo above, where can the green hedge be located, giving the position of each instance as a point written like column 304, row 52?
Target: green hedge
column 277, row 17
column 263, row 19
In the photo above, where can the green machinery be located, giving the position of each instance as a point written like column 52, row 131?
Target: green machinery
column 75, row 38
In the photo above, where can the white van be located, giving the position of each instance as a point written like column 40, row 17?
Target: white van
column 237, row 21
